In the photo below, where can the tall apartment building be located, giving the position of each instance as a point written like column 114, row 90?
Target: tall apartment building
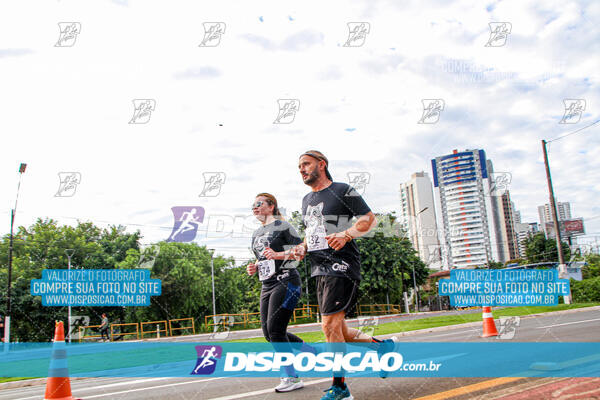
column 516, row 214
column 545, row 213
column 523, row 232
column 468, row 214
column 417, row 216
column 508, row 237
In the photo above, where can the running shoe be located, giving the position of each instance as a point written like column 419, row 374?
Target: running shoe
column 337, row 393
column 385, row 347
column 288, row 384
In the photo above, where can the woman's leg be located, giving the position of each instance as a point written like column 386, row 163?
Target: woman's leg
column 281, row 307
column 279, row 314
column 265, row 296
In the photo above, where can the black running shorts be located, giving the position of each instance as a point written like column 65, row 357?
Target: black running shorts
column 336, row 293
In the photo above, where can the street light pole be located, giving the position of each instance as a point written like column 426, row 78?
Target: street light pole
column 13, row 212
column 413, row 267
column 415, row 289
column 212, row 274
column 69, row 253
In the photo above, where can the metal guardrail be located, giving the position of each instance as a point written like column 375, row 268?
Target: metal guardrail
column 82, row 334
column 244, row 319
column 305, row 312
column 171, row 329
column 113, row 334
column 378, row 309
column 156, row 331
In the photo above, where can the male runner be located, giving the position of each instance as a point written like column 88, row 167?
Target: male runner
column 328, row 211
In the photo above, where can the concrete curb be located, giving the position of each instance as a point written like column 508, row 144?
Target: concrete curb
column 28, row 382
column 479, row 323
column 42, row 381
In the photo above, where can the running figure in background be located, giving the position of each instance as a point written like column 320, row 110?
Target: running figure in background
column 104, row 326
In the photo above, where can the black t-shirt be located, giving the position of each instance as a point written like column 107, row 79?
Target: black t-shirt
column 279, row 236
column 330, row 211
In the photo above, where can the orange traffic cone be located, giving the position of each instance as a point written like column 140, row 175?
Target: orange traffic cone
column 489, row 327
column 58, row 385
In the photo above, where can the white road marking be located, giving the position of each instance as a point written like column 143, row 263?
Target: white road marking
column 126, row 383
column 133, row 390
column 264, row 391
column 568, row 323
column 454, row 333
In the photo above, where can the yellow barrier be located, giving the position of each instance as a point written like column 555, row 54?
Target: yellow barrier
column 143, row 332
column 305, row 312
column 247, row 318
column 229, row 319
column 137, row 330
column 82, row 334
column 250, row 320
column 171, row 329
column 378, row 309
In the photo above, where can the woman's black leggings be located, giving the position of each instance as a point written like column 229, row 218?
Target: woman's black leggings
column 277, row 303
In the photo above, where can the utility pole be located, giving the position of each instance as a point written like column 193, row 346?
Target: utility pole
column 13, row 212
column 69, row 253
column 562, row 268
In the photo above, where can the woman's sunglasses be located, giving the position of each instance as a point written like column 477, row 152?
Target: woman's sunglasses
column 257, row 204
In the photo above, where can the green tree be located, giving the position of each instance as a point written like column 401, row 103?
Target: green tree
column 185, row 272
column 388, row 259
column 494, row 264
column 42, row 246
column 539, row 249
column 592, row 269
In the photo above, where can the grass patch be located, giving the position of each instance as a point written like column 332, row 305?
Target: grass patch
column 2, row 380
column 433, row 322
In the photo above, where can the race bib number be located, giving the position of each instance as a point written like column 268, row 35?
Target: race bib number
column 266, row 269
column 315, row 239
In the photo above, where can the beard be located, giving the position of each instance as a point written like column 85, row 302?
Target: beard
column 312, row 177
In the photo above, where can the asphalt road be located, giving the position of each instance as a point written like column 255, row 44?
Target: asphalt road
column 580, row 326
column 250, row 333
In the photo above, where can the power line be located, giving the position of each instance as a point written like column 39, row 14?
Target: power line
column 572, row 133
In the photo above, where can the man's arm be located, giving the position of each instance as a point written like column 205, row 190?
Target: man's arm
column 299, row 251
column 361, row 227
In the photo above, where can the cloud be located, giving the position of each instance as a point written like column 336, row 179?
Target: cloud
column 198, row 73
column 299, row 41
column 15, row 52
column 331, row 73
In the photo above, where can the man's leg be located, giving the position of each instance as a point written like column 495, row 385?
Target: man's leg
column 355, row 335
column 333, row 327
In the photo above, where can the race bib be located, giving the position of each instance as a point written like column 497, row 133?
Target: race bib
column 315, row 239
column 266, row 269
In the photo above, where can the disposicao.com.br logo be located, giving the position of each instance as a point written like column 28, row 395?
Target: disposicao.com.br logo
column 364, row 360
column 370, row 361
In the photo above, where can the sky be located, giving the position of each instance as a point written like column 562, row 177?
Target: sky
column 67, row 104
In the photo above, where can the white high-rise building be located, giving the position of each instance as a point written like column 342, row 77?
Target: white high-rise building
column 516, row 214
column 523, row 232
column 465, row 209
column 508, row 236
column 417, row 216
column 545, row 213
